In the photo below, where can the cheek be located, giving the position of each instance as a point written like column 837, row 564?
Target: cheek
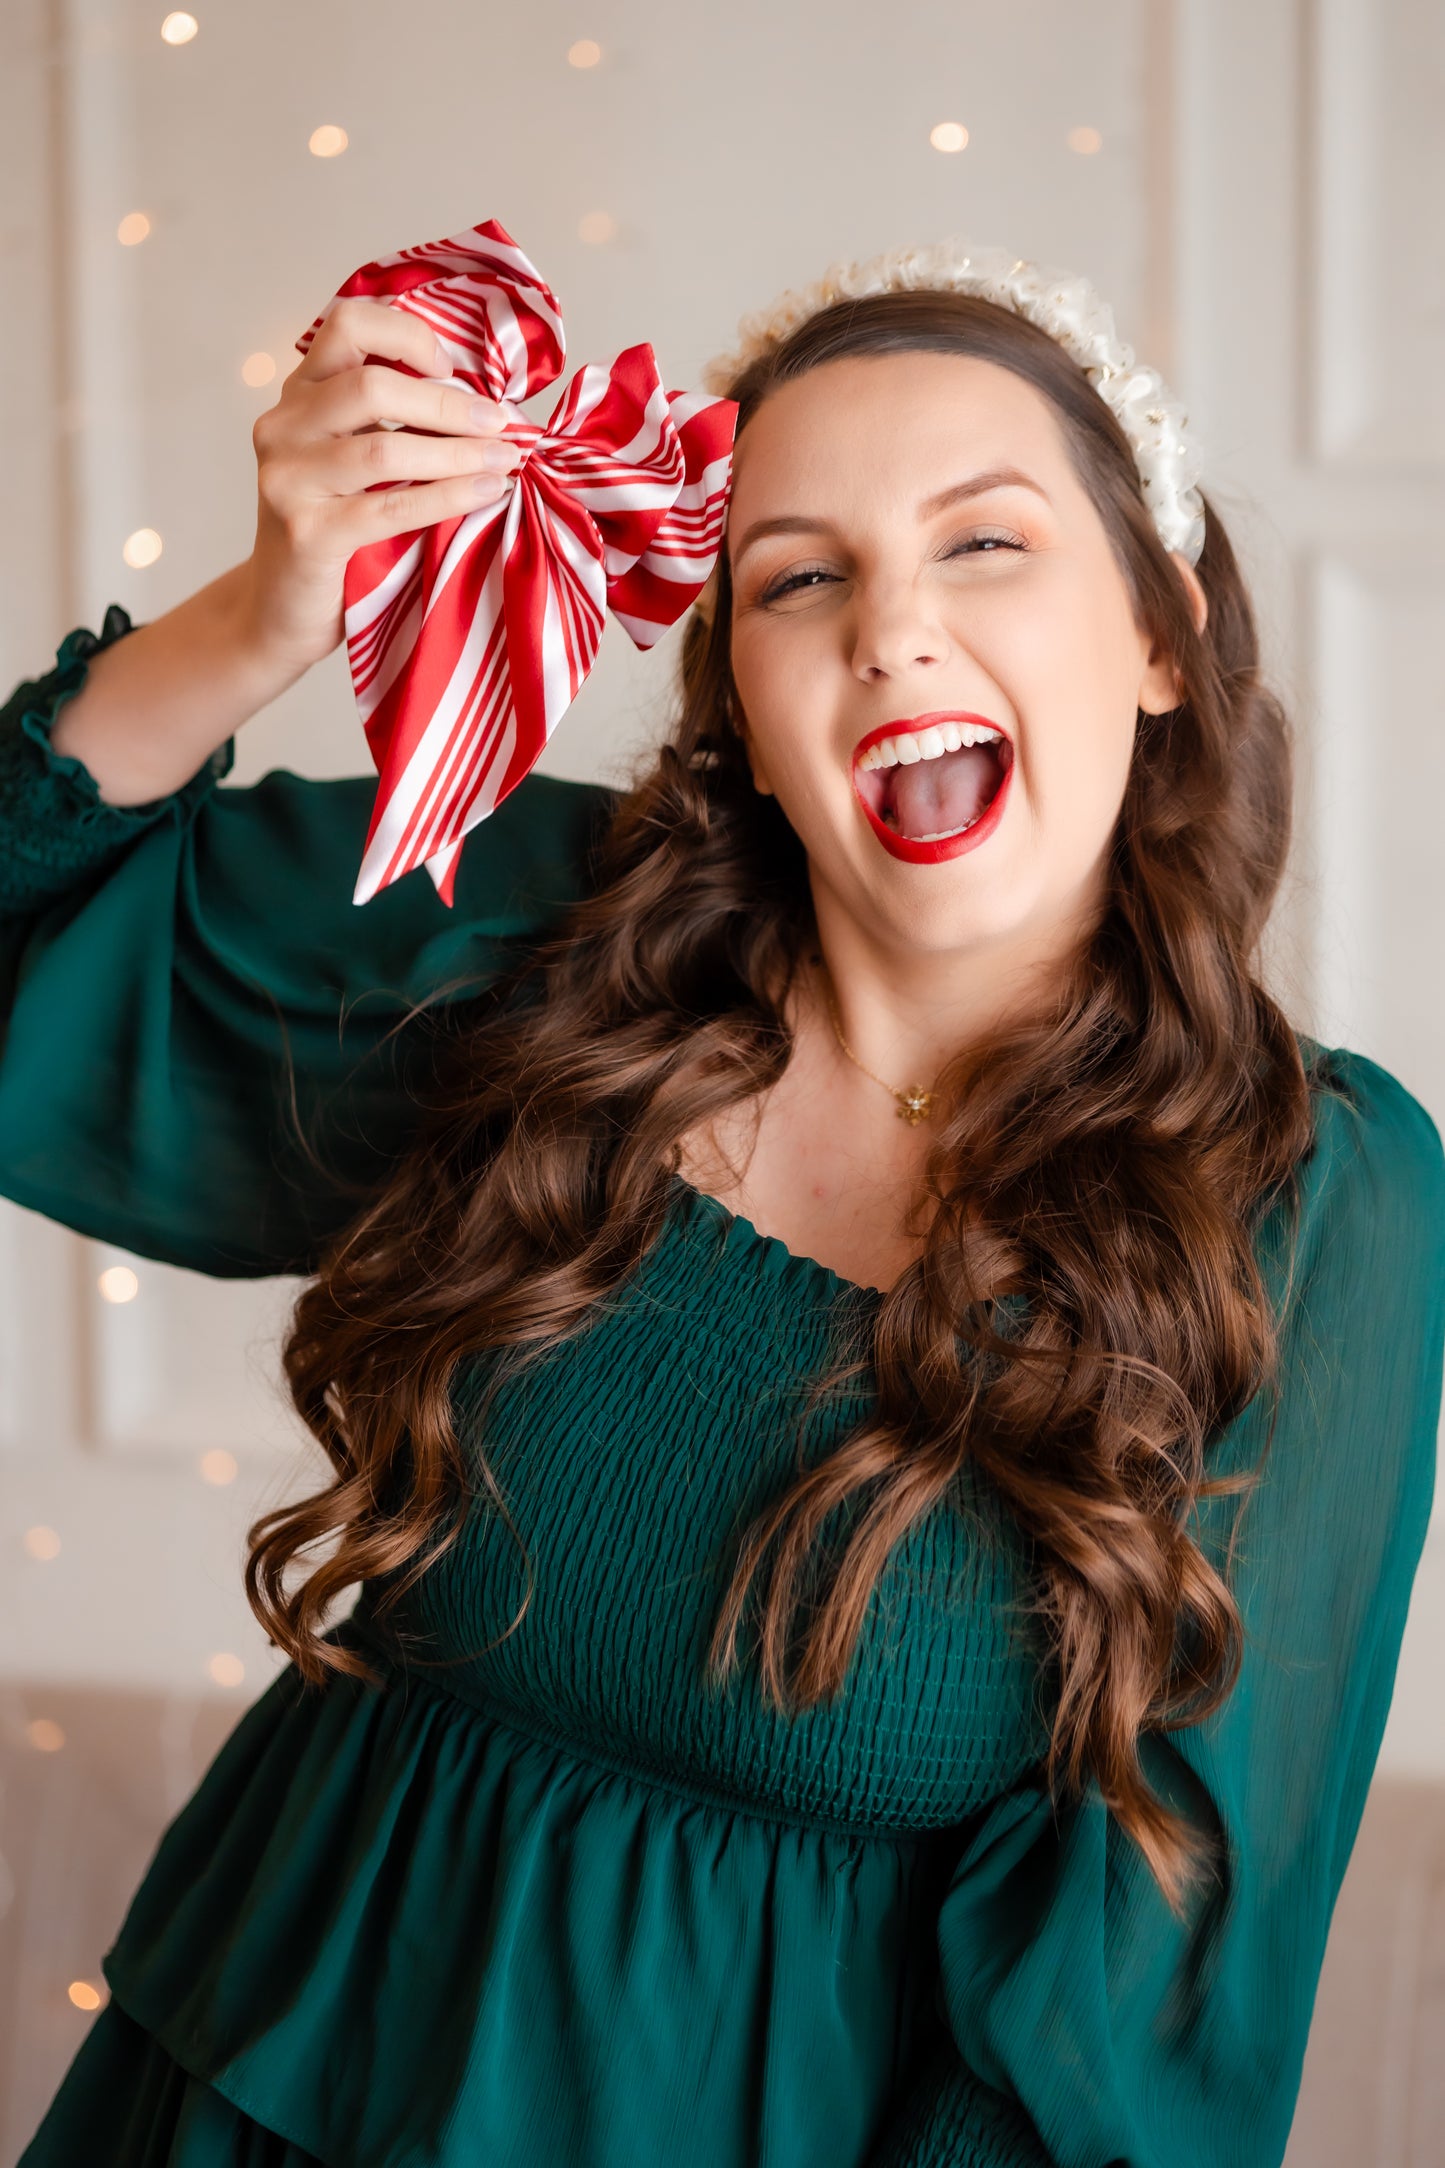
column 771, row 675
column 1073, row 674
column 785, row 703
column 1081, row 788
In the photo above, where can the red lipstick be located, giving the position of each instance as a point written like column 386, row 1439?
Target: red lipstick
column 909, row 848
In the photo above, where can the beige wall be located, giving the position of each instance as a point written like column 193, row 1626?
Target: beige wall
column 1259, row 211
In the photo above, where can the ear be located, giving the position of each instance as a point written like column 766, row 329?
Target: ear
column 1159, row 691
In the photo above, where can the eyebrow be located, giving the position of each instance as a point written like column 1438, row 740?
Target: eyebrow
column 975, row 485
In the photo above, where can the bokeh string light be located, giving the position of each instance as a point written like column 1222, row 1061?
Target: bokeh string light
column 118, row 1283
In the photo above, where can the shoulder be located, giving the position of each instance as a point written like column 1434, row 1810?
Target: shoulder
column 537, row 845
column 1361, row 1308
column 300, row 839
column 540, row 844
column 1366, row 1119
column 1377, row 1172
column 266, row 892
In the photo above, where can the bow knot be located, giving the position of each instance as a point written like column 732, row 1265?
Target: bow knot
column 469, row 640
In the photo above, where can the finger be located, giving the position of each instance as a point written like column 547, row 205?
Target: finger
column 323, row 471
column 373, row 394
column 342, row 468
column 358, row 326
column 352, row 522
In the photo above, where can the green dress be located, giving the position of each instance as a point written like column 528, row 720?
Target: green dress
column 554, row 1903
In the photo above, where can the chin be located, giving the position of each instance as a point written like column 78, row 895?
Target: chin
column 936, row 910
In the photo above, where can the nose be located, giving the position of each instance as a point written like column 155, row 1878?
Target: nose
column 895, row 632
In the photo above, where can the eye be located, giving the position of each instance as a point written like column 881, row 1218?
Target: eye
column 971, row 545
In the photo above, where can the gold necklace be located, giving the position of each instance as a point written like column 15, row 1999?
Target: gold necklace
column 915, row 1105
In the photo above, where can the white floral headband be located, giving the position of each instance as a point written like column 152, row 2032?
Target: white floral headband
column 1060, row 303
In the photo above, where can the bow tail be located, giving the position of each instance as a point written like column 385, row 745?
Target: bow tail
column 444, row 695
column 442, row 866
column 529, row 636
column 552, row 614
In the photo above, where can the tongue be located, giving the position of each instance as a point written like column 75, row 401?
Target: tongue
column 933, row 796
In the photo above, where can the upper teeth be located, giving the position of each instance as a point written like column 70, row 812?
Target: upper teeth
column 911, row 745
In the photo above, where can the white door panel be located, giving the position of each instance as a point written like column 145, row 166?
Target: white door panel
column 1375, row 80
column 182, row 1364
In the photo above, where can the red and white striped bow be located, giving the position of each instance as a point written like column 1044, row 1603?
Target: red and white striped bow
column 468, row 640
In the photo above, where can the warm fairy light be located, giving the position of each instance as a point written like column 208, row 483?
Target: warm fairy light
column 258, row 369
column 218, row 1466
column 179, row 29
column 133, row 227
column 949, row 135
column 1085, row 141
column 327, row 141
column 596, row 227
column 227, row 1670
column 42, row 1542
column 585, row 53
column 118, row 1284
column 142, row 548
column 45, row 1735
column 84, row 1994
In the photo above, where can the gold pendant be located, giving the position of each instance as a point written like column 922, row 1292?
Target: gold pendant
column 914, row 1105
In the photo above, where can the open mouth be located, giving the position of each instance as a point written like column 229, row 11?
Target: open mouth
column 934, row 780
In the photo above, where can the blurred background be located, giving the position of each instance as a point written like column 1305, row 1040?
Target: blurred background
column 1257, row 187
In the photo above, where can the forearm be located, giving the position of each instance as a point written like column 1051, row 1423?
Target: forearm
column 156, row 704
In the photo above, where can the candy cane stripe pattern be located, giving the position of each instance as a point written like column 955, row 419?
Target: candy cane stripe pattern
column 469, row 640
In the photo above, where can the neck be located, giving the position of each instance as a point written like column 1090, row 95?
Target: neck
column 905, row 1012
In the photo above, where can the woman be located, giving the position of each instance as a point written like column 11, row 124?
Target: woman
column 1071, row 1437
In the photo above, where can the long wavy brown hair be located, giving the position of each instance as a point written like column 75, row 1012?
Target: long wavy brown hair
column 1108, row 1161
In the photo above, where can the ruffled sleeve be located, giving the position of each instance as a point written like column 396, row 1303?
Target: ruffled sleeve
column 1085, row 2028
column 201, row 1058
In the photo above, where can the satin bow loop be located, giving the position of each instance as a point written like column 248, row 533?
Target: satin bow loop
column 469, row 639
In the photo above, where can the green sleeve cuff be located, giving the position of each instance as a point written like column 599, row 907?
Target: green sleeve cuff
column 55, row 828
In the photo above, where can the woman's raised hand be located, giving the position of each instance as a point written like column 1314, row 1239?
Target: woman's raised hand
column 322, row 448
column 157, row 703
